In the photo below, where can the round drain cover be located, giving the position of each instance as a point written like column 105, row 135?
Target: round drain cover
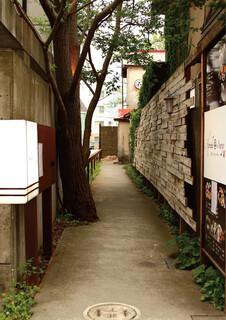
column 111, row 310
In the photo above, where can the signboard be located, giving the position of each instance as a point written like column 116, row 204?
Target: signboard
column 215, row 221
column 216, row 76
column 215, row 145
column 215, row 153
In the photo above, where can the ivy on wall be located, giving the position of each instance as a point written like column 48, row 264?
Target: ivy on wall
column 153, row 78
column 177, row 28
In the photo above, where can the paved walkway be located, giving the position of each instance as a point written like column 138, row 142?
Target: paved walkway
column 120, row 259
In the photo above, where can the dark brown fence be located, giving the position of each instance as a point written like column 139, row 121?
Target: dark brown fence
column 108, row 140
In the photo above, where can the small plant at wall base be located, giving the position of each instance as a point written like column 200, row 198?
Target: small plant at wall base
column 189, row 251
column 96, row 171
column 138, row 179
column 18, row 302
column 171, row 218
column 212, row 285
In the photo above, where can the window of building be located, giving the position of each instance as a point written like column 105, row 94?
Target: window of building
column 96, row 139
column 97, row 123
column 101, row 109
column 23, row 4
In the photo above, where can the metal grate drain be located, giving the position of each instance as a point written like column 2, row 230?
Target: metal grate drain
column 111, row 310
column 208, row 317
column 170, row 263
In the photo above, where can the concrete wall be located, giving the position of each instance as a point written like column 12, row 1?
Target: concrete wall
column 108, row 141
column 24, row 94
column 16, row 34
column 123, row 141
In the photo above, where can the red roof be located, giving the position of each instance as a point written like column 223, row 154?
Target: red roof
column 122, row 113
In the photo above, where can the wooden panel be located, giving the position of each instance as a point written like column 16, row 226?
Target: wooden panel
column 46, row 136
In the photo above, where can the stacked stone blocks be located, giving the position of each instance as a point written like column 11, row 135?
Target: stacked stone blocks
column 160, row 152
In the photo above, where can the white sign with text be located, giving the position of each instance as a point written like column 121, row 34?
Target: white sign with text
column 215, row 144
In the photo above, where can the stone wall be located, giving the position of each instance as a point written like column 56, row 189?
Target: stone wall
column 108, row 141
column 160, row 152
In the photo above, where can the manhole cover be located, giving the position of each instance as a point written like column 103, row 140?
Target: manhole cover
column 111, row 310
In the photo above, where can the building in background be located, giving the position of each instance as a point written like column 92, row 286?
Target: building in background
column 133, row 75
column 122, row 118
column 103, row 116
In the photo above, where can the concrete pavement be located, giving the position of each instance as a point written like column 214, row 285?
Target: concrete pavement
column 119, row 259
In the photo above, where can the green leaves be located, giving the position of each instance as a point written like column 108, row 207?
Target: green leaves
column 212, row 284
column 210, row 280
column 134, row 123
column 171, row 218
column 154, row 77
column 20, row 299
column 138, row 179
column 188, row 250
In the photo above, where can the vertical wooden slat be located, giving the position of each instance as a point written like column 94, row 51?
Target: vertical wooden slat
column 47, row 222
column 202, row 239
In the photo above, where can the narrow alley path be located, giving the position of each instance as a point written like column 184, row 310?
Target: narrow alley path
column 118, row 259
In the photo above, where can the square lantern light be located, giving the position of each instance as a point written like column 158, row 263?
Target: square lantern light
column 169, row 102
column 19, row 176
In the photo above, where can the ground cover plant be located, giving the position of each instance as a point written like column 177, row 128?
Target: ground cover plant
column 138, row 179
column 170, row 217
column 188, row 251
column 96, row 171
column 18, row 302
column 212, row 285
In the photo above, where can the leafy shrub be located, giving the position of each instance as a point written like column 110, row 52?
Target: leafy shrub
column 19, row 300
column 212, row 284
column 189, row 251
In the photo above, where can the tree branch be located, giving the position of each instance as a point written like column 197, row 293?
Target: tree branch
column 56, row 24
column 88, row 85
column 99, row 86
column 82, row 7
column 92, row 65
column 54, row 86
column 87, row 43
column 86, row 25
column 28, row 21
column 49, row 10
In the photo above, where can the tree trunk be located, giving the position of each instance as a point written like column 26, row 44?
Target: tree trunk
column 77, row 197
